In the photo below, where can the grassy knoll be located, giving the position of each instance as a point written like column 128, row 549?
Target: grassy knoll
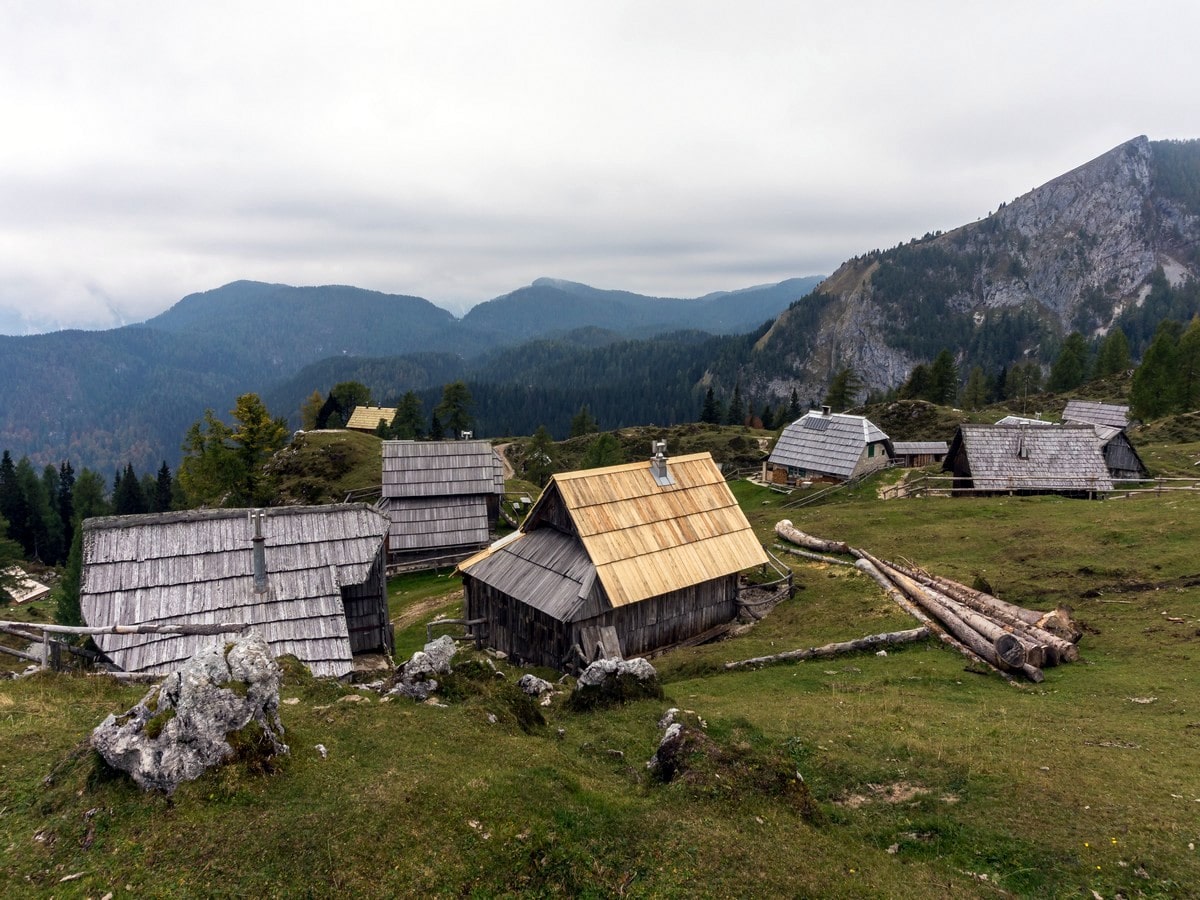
column 931, row 780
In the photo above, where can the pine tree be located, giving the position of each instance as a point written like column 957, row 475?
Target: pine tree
column 128, row 498
column 541, row 458
column 583, row 423
column 454, row 410
column 10, row 555
column 1070, row 368
column 710, row 412
column 66, row 595
column 66, row 502
column 842, row 390
column 436, row 431
column 943, row 379
column 975, row 393
column 793, row 411
column 1113, row 358
column 1155, row 383
column 310, row 411
column 605, row 450
column 1187, row 390
column 409, row 422
column 919, row 384
column 256, row 437
column 736, row 414
column 164, row 488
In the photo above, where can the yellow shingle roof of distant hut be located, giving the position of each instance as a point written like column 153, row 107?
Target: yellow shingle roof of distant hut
column 366, row 418
column 645, row 539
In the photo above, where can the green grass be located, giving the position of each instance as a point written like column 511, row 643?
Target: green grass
column 928, row 776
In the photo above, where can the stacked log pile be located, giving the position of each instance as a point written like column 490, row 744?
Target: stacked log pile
column 1010, row 639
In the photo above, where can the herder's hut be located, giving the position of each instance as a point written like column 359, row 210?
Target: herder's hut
column 1089, row 412
column 628, row 558
column 1120, row 455
column 1064, row 459
column 367, row 418
column 317, row 591
column 914, row 454
column 827, row 446
column 443, row 499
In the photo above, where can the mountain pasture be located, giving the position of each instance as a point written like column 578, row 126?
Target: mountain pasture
column 928, row 777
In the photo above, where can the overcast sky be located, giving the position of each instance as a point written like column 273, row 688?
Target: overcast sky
column 458, row 150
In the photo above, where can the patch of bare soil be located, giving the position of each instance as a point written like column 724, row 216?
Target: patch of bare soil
column 502, row 449
column 425, row 608
column 900, row 792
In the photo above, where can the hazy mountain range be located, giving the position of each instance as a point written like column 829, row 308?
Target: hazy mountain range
column 1115, row 242
column 102, row 398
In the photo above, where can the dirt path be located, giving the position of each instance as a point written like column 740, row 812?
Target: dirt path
column 509, row 471
column 423, row 608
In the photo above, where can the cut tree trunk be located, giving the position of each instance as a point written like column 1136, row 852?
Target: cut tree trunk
column 872, row 642
column 786, row 530
column 1056, row 650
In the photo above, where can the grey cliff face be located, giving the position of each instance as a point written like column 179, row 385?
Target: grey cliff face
column 1096, row 235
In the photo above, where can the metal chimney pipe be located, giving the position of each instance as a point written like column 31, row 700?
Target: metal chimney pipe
column 260, row 553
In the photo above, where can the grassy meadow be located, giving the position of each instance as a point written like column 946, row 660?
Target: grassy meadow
column 929, row 779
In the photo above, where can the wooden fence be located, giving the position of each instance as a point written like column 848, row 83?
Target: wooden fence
column 50, row 652
column 945, row 486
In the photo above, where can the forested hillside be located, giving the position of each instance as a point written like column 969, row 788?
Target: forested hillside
column 108, row 398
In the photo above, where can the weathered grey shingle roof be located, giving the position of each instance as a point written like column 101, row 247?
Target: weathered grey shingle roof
column 1005, row 457
column 829, row 444
column 919, row 448
column 440, row 469
column 1021, row 420
column 197, row 567
column 427, row 523
column 1089, row 412
column 547, row 569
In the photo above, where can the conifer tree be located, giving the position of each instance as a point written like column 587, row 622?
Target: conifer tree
column 541, row 457
column 793, row 410
column 409, row 422
column 583, row 422
column 1070, row 368
column 1113, row 357
column 454, row 410
column 736, row 413
column 1155, row 383
column 605, row 450
column 710, row 412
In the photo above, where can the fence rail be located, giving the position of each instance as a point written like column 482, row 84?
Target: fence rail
column 1122, row 488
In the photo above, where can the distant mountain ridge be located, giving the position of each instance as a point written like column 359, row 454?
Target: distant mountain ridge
column 104, row 398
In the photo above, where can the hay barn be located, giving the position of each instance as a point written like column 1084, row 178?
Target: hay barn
column 621, row 560
column 323, row 599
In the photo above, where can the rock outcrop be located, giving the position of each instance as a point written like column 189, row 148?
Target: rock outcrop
column 190, row 722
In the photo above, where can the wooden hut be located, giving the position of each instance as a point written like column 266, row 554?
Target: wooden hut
column 367, row 418
column 827, row 446
column 913, row 454
column 621, row 560
column 1089, row 412
column 1120, row 455
column 1063, row 459
column 443, row 500
column 321, row 593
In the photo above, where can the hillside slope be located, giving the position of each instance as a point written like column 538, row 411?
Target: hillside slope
column 1078, row 253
